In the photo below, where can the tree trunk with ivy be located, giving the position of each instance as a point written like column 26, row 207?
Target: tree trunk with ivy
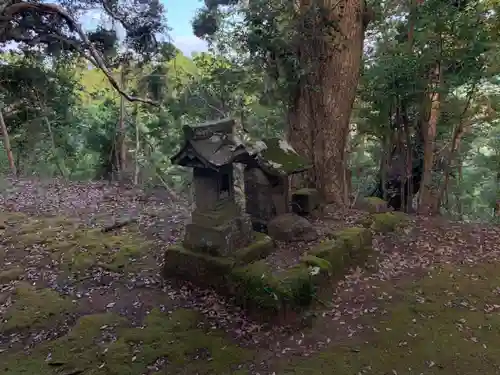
column 321, row 107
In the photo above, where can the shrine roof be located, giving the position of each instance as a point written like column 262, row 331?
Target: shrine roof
column 214, row 144
column 210, row 145
column 279, row 158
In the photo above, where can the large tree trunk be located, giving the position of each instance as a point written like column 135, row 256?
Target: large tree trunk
column 321, row 108
column 6, row 144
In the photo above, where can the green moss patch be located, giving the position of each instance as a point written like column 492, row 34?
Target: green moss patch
column 279, row 157
column 34, row 308
column 372, row 204
column 77, row 248
column 350, row 246
column 259, row 249
column 388, row 221
column 102, row 344
column 257, row 286
column 446, row 323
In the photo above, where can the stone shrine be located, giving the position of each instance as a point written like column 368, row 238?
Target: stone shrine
column 218, row 227
column 266, row 181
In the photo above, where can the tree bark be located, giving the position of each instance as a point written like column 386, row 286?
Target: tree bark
column 427, row 194
column 137, row 146
column 321, row 107
column 121, row 147
column 6, row 144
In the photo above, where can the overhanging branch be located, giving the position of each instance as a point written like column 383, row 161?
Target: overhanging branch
column 95, row 56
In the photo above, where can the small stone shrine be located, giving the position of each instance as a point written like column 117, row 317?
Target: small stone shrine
column 266, row 181
column 218, row 227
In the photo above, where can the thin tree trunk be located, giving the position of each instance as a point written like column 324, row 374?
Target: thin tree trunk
column 121, row 148
column 427, row 196
column 6, row 144
column 54, row 149
column 458, row 132
column 137, row 146
column 321, row 109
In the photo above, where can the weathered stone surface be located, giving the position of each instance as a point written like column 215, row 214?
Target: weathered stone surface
column 261, row 247
column 197, row 267
column 372, row 205
column 291, row 227
column 266, row 196
column 222, row 239
column 305, row 201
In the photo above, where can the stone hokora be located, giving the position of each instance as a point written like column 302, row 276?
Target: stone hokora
column 218, row 227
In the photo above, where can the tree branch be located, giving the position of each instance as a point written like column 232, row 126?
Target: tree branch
column 95, row 55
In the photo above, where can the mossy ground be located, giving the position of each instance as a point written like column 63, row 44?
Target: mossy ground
column 74, row 247
column 445, row 323
column 34, row 308
column 104, row 344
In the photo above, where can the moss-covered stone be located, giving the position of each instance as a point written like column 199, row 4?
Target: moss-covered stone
column 260, row 248
column 196, row 266
column 35, row 308
column 388, row 221
column 10, row 274
column 305, row 201
column 279, row 157
column 335, row 254
column 372, row 204
column 313, row 261
column 356, row 241
column 255, row 285
column 297, row 285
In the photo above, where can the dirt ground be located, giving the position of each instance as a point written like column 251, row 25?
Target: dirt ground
column 78, row 296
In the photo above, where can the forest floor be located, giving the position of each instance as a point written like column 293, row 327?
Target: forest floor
column 79, row 297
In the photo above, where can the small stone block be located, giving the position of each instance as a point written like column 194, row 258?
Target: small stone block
column 210, row 240
column 260, row 248
column 197, row 267
column 305, row 201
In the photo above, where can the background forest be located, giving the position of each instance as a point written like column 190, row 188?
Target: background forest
column 376, row 95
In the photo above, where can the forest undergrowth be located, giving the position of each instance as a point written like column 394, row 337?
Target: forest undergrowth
column 82, row 294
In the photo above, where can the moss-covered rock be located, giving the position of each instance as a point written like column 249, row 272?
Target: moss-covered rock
column 388, row 221
column 372, row 205
column 350, row 246
column 260, row 248
column 196, row 266
column 313, row 261
column 335, row 254
column 255, row 285
column 35, row 308
column 278, row 157
column 297, row 285
column 356, row 241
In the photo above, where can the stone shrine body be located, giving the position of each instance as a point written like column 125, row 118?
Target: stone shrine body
column 218, row 227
